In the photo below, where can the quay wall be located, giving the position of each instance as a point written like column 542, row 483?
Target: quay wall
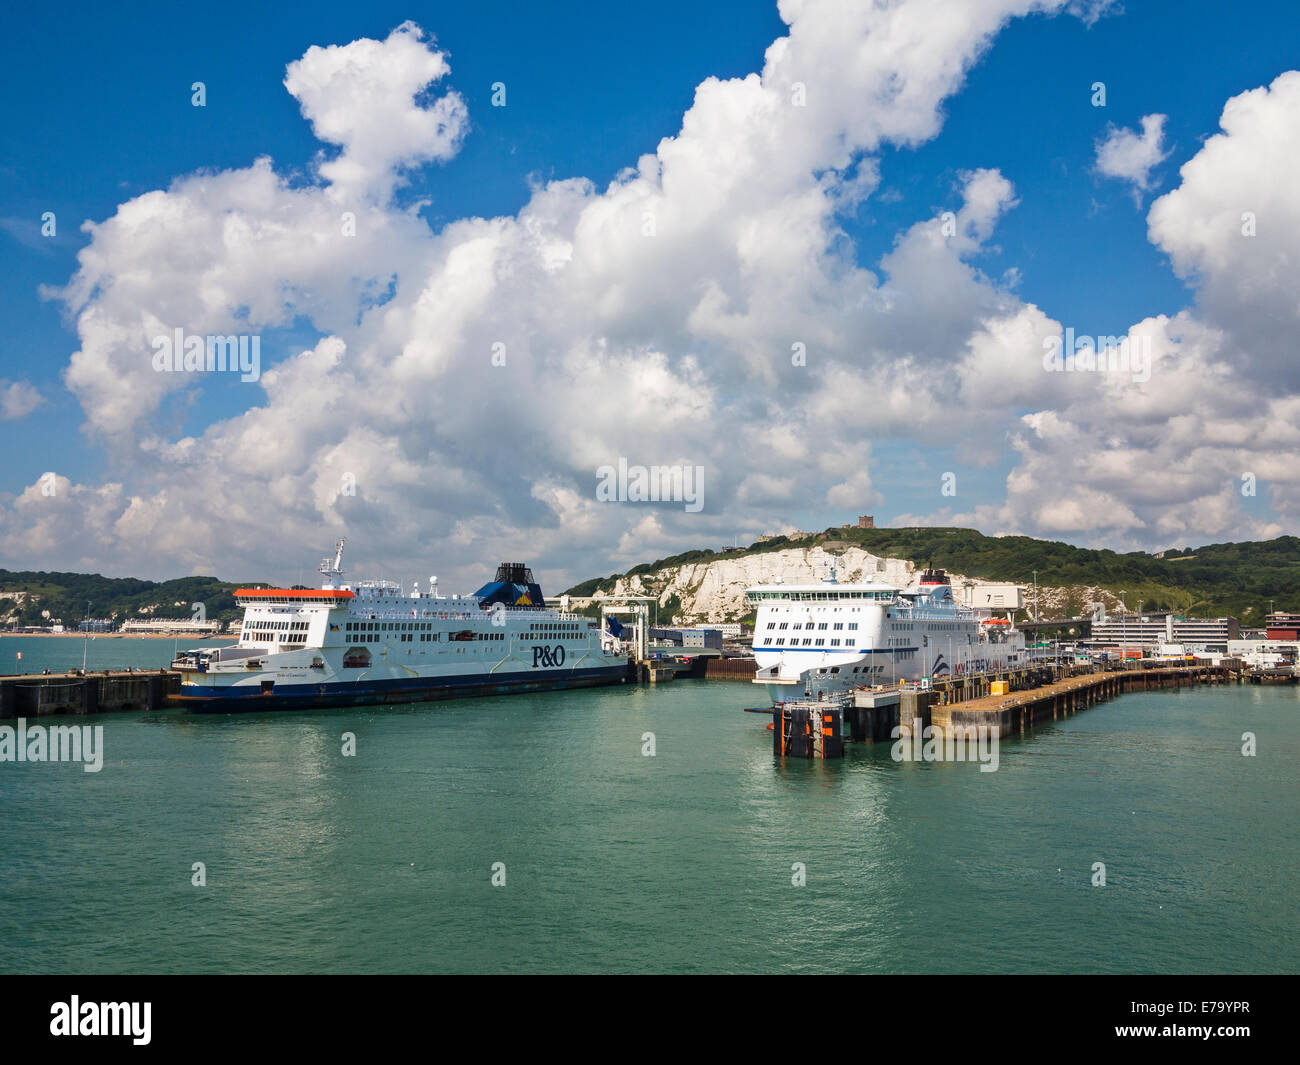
column 41, row 695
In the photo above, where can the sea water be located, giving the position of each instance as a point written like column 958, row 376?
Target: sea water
column 650, row 829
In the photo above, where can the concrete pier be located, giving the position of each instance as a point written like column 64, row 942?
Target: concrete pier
column 43, row 694
column 963, row 688
column 1019, row 711
column 883, row 715
column 872, row 715
column 659, row 670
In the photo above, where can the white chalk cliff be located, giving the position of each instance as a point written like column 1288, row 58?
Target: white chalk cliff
column 714, row 589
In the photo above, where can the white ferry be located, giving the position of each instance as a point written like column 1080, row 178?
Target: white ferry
column 344, row 644
column 824, row 638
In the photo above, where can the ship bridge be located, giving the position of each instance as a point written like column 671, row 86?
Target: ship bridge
column 826, row 592
column 292, row 596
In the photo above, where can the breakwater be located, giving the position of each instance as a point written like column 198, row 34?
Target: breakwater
column 40, row 695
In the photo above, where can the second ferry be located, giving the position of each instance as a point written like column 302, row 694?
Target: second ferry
column 817, row 639
column 346, row 644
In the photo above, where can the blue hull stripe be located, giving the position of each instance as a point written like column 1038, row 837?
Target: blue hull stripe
column 249, row 697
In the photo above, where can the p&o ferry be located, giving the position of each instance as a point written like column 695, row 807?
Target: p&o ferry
column 818, row 639
column 369, row 642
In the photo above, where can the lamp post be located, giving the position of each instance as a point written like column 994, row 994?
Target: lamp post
column 85, row 641
column 1123, row 629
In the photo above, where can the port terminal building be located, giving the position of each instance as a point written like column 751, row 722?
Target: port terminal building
column 1153, row 629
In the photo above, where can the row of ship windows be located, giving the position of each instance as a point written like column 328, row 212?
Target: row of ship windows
column 390, row 626
column 820, row 626
column 822, row 610
column 294, row 602
column 780, row 642
column 276, row 626
column 424, row 637
column 559, row 628
column 434, row 637
column 833, row 597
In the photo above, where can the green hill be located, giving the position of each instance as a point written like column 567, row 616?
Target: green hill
column 65, row 595
column 1237, row 579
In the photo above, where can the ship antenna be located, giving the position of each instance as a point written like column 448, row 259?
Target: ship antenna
column 332, row 570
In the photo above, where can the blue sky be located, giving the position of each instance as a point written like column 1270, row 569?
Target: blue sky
column 118, row 121
column 97, row 112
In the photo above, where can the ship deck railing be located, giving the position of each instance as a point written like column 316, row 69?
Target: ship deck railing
column 443, row 615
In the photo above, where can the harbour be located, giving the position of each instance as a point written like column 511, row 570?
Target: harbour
column 647, row 825
column 850, row 646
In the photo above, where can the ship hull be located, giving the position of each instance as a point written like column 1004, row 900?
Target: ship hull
column 227, row 699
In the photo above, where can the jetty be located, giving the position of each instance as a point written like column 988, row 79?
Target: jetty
column 1015, row 712
column 1009, row 704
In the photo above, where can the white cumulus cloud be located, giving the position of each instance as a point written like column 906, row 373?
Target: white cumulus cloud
column 18, row 399
column 466, row 383
column 1131, row 156
column 364, row 97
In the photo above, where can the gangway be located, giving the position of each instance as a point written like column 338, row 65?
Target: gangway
column 636, row 606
